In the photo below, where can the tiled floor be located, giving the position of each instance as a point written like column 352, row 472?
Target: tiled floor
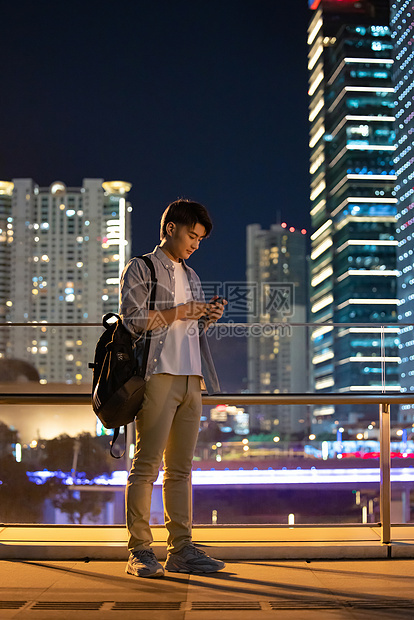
column 291, row 590
column 272, row 573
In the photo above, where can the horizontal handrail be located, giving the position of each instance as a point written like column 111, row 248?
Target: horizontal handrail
column 232, row 323
column 67, row 398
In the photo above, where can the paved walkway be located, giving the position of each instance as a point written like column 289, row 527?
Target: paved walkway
column 262, row 590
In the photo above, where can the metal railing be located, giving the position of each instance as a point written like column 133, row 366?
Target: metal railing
column 384, row 402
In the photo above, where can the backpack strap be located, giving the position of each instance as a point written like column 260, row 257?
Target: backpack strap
column 154, row 281
column 150, row 266
column 114, row 438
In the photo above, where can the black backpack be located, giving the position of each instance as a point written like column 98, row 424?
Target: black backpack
column 118, row 385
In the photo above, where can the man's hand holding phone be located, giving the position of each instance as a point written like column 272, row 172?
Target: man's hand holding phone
column 208, row 313
column 191, row 310
column 215, row 309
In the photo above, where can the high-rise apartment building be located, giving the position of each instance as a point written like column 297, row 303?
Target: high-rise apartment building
column 402, row 22
column 62, row 250
column 277, row 351
column 6, row 239
column 353, row 207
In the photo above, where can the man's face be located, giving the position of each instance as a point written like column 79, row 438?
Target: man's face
column 182, row 241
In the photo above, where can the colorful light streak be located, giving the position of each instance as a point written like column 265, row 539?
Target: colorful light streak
column 244, row 477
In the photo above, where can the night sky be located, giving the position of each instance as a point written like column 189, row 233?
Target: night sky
column 204, row 99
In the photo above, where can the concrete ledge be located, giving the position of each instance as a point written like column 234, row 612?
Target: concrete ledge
column 74, row 543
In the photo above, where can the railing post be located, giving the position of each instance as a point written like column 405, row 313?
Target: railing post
column 385, row 473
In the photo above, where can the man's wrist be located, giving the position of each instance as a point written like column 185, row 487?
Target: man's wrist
column 180, row 312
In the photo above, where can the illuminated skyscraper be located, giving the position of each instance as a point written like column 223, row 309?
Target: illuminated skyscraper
column 402, row 22
column 278, row 359
column 353, row 208
column 6, row 239
column 66, row 248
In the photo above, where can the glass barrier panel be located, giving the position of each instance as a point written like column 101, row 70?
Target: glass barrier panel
column 402, row 426
column 322, row 477
column 254, row 463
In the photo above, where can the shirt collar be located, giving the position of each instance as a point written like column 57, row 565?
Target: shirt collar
column 167, row 262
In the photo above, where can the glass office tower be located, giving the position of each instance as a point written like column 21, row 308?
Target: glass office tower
column 402, row 21
column 353, row 208
column 278, row 355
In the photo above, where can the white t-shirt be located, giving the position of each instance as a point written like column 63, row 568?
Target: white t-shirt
column 181, row 351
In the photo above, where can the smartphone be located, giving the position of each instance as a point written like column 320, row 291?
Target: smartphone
column 219, row 300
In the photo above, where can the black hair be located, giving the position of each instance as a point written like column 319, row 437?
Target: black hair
column 187, row 213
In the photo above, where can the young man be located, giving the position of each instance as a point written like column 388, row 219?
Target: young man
column 179, row 358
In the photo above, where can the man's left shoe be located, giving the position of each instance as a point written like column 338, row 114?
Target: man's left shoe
column 192, row 560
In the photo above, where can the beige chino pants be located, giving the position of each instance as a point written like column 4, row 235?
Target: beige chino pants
column 167, row 427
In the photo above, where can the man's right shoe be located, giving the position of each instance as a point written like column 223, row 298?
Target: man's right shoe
column 143, row 563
